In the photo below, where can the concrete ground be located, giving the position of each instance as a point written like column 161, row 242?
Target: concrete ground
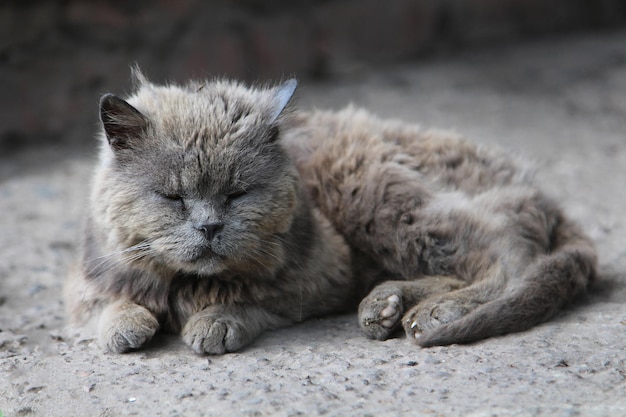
column 560, row 103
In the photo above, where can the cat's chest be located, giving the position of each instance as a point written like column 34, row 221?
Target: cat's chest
column 174, row 299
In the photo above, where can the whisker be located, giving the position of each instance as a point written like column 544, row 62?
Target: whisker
column 113, row 259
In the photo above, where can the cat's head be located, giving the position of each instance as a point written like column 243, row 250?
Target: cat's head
column 193, row 177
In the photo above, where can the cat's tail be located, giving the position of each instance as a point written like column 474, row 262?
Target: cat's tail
column 547, row 285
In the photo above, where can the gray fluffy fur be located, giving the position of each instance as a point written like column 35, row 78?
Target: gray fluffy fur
column 217, row 213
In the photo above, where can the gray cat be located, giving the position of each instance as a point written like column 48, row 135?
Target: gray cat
column 217, row 213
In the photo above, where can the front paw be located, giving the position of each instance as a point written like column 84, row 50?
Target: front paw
column 214, row 334
column 379, row 314
column 126, row 327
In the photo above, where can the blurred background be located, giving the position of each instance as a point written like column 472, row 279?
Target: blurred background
column 58, row 57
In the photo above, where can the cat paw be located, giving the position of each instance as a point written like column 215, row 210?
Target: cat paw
column 379, row 315
column 214, row 335
column 428, row 316
column 128, row 328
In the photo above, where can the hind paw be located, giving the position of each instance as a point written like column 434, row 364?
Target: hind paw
column 379, row 314
column 426, row 317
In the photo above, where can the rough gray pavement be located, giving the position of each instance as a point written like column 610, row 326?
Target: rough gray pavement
column 560, row 103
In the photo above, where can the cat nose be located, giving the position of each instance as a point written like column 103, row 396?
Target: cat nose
column 210, row 230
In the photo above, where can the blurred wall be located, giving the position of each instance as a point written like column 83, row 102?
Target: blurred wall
column 58, row 57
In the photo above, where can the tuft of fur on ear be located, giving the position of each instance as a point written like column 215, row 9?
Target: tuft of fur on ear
column 139, row 80
column 122, row 122
column 282, row 95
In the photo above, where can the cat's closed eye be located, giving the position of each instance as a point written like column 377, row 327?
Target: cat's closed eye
column 235, row 195
column 172, row 198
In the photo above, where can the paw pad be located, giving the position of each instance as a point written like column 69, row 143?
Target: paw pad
column 390, row 314
column 379, row 316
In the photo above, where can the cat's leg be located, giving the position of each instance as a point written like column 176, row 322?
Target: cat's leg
column 226, row 328
column 124, row 326
column 494, row 307
column 380, row 311
column 438, row 310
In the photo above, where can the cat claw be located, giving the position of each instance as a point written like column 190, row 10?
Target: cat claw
column 412, row 330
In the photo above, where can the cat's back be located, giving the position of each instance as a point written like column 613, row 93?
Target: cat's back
column 333, row 146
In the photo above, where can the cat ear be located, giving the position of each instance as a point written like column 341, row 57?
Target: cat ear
column 122, row 122
column 282, row 96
